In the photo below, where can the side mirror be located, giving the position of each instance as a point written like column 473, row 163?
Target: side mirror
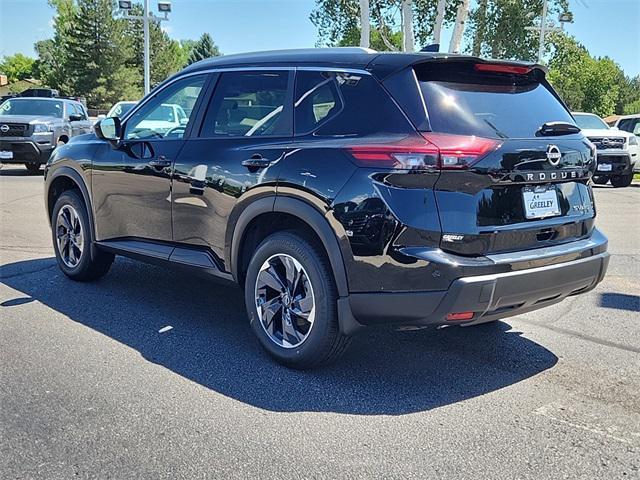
column 109, row 128
column 74, row 117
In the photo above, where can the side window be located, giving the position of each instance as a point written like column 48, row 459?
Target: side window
column 167, row 114
column 248, row 104
column 344, row 103
column 79, row 110
column 317, row 100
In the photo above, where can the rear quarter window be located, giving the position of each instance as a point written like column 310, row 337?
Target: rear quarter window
column 344, row 104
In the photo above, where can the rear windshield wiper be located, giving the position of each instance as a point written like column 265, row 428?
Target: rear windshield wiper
column 549, row 129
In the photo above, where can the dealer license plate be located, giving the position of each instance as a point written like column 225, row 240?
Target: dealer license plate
column 540, row 202
column 4, row 155
column 604, row 167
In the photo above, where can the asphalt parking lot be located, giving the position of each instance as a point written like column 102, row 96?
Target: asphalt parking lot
column 89, row 388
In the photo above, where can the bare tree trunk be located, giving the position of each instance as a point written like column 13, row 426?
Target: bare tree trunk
column 458, row 29
column 437, row 28
column 407, row 25
column 481, row 27
column 365, row 24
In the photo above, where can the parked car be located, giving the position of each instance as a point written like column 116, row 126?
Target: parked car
column 30, row 128
column 487, row 213
column 617, row 150
column 120, row 109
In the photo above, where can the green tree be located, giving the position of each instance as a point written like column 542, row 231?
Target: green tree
column 51, row 67
column 498, row 28
column 203, row 48
column 337, row 22
column 17, row 67
column 585, row 83
column 98, row 53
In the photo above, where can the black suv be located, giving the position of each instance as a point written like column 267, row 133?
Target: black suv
column 341, row 188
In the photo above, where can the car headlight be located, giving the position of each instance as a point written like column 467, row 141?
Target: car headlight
column 633, row 140
column 41, row 128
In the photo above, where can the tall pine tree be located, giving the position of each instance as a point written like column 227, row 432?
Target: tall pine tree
column 203, row 48
column 97, row 54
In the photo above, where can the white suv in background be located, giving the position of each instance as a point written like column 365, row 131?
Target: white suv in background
column 618, row 150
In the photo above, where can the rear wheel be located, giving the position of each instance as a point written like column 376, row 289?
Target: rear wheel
column 622, row 180
column 291, row 299
column 600, row 180
column 32, row 167
column 72, row 240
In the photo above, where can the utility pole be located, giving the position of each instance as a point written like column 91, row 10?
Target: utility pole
column 146, row 17
column 545, row 27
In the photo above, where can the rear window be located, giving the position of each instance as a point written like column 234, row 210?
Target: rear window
column 488, row 105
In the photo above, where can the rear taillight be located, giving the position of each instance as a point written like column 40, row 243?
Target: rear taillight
column 431, row 151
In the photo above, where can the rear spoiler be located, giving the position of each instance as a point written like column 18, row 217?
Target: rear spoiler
column 386, row 64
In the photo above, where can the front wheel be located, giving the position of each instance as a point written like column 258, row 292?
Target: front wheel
column 72, row 240
column 32, row 167
column 291, row 299
column 622, row 180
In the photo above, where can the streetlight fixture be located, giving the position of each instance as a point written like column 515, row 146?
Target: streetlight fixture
column 163, row 7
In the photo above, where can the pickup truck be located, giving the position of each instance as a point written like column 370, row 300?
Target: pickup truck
column 32, row 127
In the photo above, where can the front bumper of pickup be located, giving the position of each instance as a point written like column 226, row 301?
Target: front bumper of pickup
column 26, row 150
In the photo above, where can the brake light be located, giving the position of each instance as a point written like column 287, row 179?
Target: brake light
column 429, row 152
column 498, row 68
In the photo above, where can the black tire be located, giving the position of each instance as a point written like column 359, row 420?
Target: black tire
column 87, row 267
column 33, row 167
column 323, row 342
column 622, row 180
column 600, row 180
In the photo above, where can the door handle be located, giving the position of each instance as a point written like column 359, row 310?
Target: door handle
column 256, row 161
column 160, row 162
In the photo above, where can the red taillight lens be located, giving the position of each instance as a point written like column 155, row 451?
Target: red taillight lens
column 498, row 68
column 432, row 151
column 453, row 317
column 460, row 151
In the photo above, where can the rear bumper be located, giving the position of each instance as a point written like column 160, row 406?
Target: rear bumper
column 26, row 151
column 491, row 296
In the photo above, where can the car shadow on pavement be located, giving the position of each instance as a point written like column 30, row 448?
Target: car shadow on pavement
column 211, row 343
column 620, row 301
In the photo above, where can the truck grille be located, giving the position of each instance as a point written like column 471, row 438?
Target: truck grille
column 604, row 143
column 13, row 129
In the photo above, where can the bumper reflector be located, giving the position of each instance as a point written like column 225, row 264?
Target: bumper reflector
column 460, row 316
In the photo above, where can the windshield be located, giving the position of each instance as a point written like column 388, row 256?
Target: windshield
column 120, row 109
column 23, row 106
column 590, row 121
column 163, row 113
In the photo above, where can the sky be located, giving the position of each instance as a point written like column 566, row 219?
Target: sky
column 605, row 27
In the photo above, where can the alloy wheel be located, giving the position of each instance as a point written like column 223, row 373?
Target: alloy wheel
column 285, row 301
column 69, row 236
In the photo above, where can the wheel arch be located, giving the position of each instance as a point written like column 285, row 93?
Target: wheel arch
column 61, row 180
column 302, row 212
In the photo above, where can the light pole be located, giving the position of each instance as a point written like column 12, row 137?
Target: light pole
column 163, row 7
column 545, row 27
